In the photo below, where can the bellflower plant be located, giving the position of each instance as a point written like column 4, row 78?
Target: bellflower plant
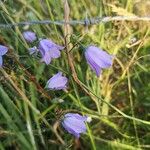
column 49, row 50
column 98, row 59
column 3, row 51
column 74, row 124
column 29, row 36
column 57, row 82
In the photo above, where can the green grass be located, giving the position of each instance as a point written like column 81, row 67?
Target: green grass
column 119, row 100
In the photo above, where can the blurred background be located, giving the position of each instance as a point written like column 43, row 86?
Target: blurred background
column 30, row 114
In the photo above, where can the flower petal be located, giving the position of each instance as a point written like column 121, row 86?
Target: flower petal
column 46, row 58
column 75, row 124
column 93, row 65
column 54, row 52
column 71, row 131
column 57, row 82
column 49, row 48
column 29, row 36
column 45, row 45
column 100, row 57
column 77, row 116
column 3, row 50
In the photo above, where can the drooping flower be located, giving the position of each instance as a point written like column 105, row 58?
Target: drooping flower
column 29, row 36
column 3, row 51
column 74, row 124
column 49, row 50
column 98, row 59
column 57, row 82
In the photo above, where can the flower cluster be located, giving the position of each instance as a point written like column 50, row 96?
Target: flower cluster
column 47, row 48
column 96, row 58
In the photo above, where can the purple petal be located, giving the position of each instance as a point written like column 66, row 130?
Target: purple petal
column 45, row 45
column 75, row 124
column 57, row 82
column 93, row 65
column 49, row 48
column 71, row 131
column 54, row 52
column 99, row 57
column 1, row 61
column 41, row 49
column 3, row 50
column 47, row 58
column 29, row 36
column 77, row 116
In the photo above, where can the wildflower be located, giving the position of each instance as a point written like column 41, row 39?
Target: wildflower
column 74, row 124
column 49, row 50
column 57, row 82
column 29, row 36
column 98, row 59
column 3, row 51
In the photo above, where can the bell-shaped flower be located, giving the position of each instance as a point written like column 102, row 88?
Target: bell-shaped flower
column 29, row 36
column 74, row 124
column 3, row 51
column 98, row 59
column 49, row 50
column 57, row 82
